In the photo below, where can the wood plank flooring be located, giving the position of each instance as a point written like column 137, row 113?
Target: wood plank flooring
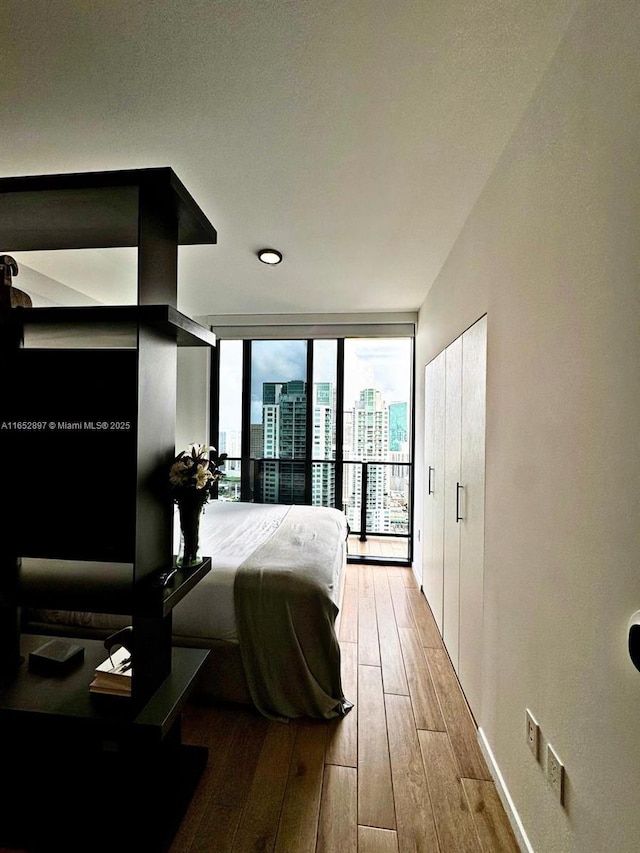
column 379, row 547
column 401, row 773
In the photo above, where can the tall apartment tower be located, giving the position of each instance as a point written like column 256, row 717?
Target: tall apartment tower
column 284, row 427
column 370, row 443
column 323, row 476
column 284, row 423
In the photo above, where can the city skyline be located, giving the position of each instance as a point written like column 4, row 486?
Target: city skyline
column 397, row 420
column 373, row 495
column 380, row 363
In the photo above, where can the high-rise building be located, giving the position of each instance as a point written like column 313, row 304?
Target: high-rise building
column 256, row 441
column 323, row 475
column 369, row 443
column 284, row 426
column 284, row 422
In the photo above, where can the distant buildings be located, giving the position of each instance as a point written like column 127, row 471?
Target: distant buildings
column 373, row 432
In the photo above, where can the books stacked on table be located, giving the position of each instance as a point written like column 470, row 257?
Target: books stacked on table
column 113, row 676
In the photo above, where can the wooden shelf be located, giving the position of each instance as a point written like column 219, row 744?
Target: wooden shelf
column 161, row 712
column 159, row 601
column 97, row 325
column 30, row 699
column 92, row 210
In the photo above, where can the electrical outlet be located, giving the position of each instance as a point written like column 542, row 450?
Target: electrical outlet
column 533, row 735
column 555, row 773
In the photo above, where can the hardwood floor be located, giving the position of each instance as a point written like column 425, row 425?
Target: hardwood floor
column 379, row 547
column 401, row 772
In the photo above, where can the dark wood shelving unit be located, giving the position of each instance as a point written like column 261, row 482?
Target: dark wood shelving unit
column 90, row 399
column 103, row 320
column 39, row 700
column 96, row 210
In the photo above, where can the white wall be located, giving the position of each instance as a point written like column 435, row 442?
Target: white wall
column 552, row 253
column 192, row 399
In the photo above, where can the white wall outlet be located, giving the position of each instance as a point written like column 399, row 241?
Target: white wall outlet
column 532, row 733
column 555, row 773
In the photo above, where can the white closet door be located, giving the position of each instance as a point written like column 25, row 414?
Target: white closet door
column 472, row 472
column 427, row 524
column 437, row 485
column 433, row 543
column 452, row 498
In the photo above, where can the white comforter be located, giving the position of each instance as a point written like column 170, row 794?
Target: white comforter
column 229, row 533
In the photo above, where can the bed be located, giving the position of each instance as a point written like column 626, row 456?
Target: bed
column 268, row 609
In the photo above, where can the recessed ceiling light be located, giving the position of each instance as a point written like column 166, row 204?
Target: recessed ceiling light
column 269, row 256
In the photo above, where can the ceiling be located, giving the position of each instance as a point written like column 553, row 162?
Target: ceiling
column 354, row 136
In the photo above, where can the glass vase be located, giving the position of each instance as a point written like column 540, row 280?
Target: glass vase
column 189, row 512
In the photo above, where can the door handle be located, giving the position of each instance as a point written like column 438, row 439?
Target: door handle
column 429, row 489
column 458, row 516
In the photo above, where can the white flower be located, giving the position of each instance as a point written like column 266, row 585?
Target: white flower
column 193, row 471
column 199, row 451
column 202, row 476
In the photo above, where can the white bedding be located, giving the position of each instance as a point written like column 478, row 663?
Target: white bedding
column 229, row 532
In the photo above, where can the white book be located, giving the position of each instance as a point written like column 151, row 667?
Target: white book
column 113, row 675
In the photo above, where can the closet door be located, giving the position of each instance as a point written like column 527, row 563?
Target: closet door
column 433, row 527
column 452, row 498
column 453, row 548
column 472, row 472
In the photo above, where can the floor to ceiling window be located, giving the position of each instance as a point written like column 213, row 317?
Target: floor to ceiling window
column 321, row 421
column 377, row 442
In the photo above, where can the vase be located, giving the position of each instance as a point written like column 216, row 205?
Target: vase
column 189, row 511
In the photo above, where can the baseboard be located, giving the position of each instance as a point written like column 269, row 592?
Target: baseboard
column 503, row 793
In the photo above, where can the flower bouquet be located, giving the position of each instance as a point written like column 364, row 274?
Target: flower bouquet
column 192, row 479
